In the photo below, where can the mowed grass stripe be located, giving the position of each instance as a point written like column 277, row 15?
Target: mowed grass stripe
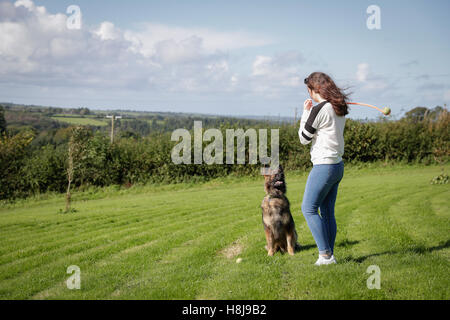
column 243, row 281
column 90, row 218
column 102, row 240
column 165, row 252
column 98, row 229
column 163, row 213
column 96, row 208
column 347, row 280
column 410, row 263
column 372, row 215
column 418, row 208
column 260, row 238
column 180, row 273
column 87, row 256
column 182, row 258
column 100, row 214
column 105, row 244
column 297, row 269
column 58, row 267
column 256, row 277
column 117, row 225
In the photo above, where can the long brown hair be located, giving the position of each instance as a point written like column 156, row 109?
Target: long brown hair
column 322, row 84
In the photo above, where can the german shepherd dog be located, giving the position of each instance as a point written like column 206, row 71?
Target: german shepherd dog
column 279, row 225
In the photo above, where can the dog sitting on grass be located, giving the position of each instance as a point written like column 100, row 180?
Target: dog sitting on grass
column 279, row 225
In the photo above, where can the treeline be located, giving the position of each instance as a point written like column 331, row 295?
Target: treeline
column 147, row 124
column 44, row 110
column 45, row 121
column 27, row 168
column 19, row 121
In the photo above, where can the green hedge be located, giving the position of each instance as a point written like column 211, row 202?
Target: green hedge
column 26, row 170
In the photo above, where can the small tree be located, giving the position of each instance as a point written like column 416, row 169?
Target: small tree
column 13, row 150
column 441, row 150
column 417, row 114
column 77, row 148
column 84, row 112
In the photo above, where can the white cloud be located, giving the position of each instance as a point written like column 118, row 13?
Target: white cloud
column 172, row 52
column 273, row 74
column 262, row 66
column 107, row 31
column 37, row 48
column 368, row 80
column 362, row 72
column 25, row 3
column 150, row 34
column 234, row 80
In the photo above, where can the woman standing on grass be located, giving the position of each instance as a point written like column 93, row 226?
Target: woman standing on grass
column 323, row 125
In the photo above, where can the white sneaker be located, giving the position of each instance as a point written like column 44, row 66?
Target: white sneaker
column 322, row 260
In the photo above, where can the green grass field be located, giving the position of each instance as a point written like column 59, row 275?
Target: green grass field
column 80, row 121
column 182, row 241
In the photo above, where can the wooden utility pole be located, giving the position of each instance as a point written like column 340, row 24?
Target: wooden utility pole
column 113, row 118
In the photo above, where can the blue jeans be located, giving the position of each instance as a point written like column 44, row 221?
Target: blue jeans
column 320, row 193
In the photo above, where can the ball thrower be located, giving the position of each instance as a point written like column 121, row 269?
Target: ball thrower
column 386, row 111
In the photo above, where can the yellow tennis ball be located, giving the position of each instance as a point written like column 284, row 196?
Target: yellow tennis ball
column 387, row 111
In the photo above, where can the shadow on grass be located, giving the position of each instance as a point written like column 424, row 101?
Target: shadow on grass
column 416, row 250
column 304, row 247
column 298, row 248
column 343, row 244
column 346, row 243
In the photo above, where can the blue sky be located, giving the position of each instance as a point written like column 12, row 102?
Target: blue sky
column 223, row 57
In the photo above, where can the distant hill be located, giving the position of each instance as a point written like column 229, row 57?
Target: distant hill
column 44, row 118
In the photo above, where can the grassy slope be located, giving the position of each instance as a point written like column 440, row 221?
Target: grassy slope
column 181, row 242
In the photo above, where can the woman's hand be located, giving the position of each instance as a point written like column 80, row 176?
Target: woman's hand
column 307, row 105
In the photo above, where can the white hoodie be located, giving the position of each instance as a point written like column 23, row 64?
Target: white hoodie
column 325, row 129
